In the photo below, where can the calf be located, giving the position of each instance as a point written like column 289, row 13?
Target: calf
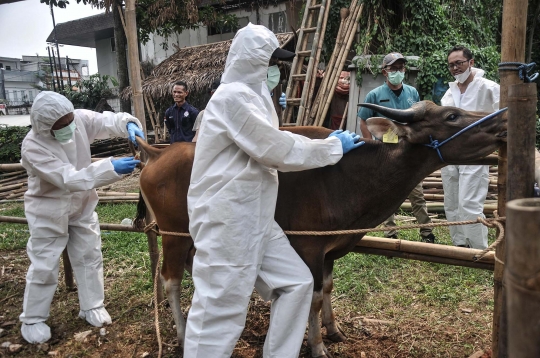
column 347, row 195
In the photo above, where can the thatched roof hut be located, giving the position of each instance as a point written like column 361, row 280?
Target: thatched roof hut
column 198, row 66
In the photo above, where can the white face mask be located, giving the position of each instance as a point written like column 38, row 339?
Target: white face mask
column 462, row 77
column 64, row 135
column 272, row 77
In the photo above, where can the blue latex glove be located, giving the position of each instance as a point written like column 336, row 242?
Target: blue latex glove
column 125, row 165
column 134, row 130
column 283, row 101
column 349, row 141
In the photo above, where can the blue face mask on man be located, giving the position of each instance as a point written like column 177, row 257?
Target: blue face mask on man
column 272, row 77
column 64, row 134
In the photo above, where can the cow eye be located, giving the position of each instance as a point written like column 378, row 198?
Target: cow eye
column 452, row 117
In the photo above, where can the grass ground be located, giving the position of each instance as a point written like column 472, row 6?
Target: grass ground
column 387, row 307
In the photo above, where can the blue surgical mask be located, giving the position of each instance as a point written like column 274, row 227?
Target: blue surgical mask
column 63, row 135
column 396, row 78
column 272, row 77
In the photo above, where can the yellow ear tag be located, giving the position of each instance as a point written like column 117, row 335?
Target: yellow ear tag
column 390, row 137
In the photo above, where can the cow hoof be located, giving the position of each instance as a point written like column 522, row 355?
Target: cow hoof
column 325, row 354
column 337, row 337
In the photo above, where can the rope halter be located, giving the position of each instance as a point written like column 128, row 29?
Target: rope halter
column 435, row 144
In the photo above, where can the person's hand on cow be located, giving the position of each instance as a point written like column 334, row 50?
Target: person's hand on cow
column 134, row 130
column 125, row 165
column 349, row 140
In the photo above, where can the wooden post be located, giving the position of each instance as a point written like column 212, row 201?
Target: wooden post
column 138, row 104
column 522, row 277
column 68, row 271
column 514, row 25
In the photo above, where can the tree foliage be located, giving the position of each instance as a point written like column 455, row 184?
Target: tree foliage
column 89, row 92
column 165, row 17
column 428, row 29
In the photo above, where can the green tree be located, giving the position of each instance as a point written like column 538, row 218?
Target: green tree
column 89, row 92
column 428, row 29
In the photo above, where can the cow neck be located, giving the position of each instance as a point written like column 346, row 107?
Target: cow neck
column 384, row 174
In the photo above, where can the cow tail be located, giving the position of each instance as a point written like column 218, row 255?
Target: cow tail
column 140, row 222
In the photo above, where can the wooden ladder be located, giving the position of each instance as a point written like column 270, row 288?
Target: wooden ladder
column 318, row 9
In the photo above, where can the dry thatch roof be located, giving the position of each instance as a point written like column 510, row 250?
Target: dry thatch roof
column 198, row 66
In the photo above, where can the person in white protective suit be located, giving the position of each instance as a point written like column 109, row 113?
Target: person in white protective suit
column 466, row 186
column 60, row 201
column 231, row 203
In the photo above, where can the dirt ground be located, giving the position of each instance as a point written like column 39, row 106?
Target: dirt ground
column 132, row 333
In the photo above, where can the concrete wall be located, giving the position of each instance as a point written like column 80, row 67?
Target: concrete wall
column 12, row 63
column 154, row 51
column 18, row 84
column 106, row 58
column 357, row 94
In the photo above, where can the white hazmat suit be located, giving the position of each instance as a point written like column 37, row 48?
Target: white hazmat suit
column 466, row 186
column 59, row 206
column 231, row 205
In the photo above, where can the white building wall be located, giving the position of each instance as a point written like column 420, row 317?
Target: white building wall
column 154, row 51
column 106, row 58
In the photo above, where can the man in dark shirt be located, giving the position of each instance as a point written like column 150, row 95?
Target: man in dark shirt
column 180, row 117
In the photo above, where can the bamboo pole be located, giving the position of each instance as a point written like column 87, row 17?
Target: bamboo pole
column 344, row 116
column 335, row 78
column 349, row 27
column 311, row 76
column 138, row 104
column 426, row 258
column 522, row 277
column 339, row 43
column 425, row 252
column 514, row 27
column 11, row 167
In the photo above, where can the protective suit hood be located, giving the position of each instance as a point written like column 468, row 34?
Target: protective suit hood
column 249, row 55
column 48, row 107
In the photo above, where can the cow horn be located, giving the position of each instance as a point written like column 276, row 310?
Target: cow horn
column 402, row 116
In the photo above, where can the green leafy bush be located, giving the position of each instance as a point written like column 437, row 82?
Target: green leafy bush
column 10, row 143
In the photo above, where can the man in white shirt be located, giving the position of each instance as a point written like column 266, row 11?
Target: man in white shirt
column 466, row 186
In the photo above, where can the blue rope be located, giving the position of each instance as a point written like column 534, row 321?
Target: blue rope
column 435, row 144
column 522, row 68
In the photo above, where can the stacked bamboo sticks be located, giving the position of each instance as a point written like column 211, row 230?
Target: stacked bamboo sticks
column 345, row 37
column 13, row 185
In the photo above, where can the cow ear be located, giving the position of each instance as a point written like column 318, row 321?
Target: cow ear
column 378, row 126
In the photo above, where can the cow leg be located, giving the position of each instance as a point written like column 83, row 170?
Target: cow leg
column 173, row 288
column 318, row 349
column 333, row 331
column 175, row 256
column 315, row 342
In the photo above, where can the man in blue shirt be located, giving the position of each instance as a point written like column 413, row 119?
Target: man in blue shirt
column 180, row 117
column 395, row 94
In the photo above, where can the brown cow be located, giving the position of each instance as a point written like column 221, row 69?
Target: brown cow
column 347, row 195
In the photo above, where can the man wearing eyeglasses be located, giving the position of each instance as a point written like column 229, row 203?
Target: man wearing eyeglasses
column 466, row 186
column 395, row 94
